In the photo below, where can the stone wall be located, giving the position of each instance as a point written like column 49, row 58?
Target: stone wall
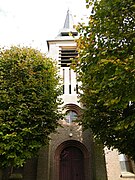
column 113, row 167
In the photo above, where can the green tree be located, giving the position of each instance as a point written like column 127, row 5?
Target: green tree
column 29, row 91
column 106, row 68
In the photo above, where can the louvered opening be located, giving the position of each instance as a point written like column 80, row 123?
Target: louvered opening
column 66, row 56
column 69, row 33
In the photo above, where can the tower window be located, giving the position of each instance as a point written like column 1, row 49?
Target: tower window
column 69, row 81
column 68, row 33
column 63, row 81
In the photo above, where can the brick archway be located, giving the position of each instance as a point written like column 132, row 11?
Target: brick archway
column 67, row 145
column 72, row 107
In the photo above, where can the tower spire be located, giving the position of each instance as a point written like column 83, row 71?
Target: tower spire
column 68, row 21
column 68, row 27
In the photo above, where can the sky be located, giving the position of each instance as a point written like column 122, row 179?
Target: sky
column 33, row 22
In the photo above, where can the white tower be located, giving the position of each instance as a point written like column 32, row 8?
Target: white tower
column 63, row 49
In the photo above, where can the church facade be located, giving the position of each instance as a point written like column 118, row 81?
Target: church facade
column 72, row 153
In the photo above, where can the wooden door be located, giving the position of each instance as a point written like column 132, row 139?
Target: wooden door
column 71, row 164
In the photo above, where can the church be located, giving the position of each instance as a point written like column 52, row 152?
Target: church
column 72, row 153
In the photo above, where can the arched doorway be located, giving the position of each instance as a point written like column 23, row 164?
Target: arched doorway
column 71, row 164
column 76, row 152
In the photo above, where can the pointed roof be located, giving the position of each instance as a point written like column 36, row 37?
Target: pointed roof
column 68, row 26
column 64, row 33
column 68, row 21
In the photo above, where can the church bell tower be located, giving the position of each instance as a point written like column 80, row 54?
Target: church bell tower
column 63, row 50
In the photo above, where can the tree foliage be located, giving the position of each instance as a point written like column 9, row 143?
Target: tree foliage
column 29, row 90
column 106, row 68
